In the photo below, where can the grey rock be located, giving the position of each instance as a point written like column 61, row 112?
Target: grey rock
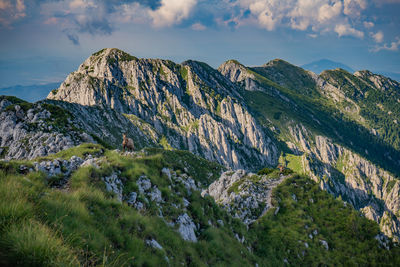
column 153, row 243
column 114, row 184
column 143, row 183
column 250, row 200
column 325, row 244
column 186, row 228
column 27, row 136
column 186, row 202
column 131, row 198
column 155, row 195
column 139, row 205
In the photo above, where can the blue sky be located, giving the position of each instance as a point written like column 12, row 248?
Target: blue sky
column 43, row 40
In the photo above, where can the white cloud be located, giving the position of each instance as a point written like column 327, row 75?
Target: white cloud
column 268, row 13
column 327, row 12
column 11, row 11
column 319, row 16
column 198, row 27
column 378, row 37
column 133, row 12
column 368, row 24
column 171, row 12
column 353, row 8
column 347, row 30
column 394, row 46
column 76, row 4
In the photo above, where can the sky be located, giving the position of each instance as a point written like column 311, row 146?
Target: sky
column 42, row 41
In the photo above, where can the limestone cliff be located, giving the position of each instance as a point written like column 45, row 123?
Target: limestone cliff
column 192, row 105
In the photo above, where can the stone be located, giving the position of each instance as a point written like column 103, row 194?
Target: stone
column 143, row 183
column 325, row 244
column 153, row 243
column 155, row 195
column 251, row 201
column 186, row 202
column 186, row 228
column 131, row 198
column 139, row 205
column 113, row 184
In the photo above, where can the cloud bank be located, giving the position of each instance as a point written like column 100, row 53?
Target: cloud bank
column 343, row 18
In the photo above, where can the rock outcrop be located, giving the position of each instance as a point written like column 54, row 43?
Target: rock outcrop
column 244, row 195
column 34, row 130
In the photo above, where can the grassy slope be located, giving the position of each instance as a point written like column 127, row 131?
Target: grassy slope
column 85, row 225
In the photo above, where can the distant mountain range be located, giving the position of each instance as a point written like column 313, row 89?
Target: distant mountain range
column 319, row 66
column 31, row 93
column 325, row 64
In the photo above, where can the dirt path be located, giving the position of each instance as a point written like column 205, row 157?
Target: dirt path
column 271, row 186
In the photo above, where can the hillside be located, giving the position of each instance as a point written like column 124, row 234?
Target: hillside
column 320, row 137
column 93, row 206
column 202, row 187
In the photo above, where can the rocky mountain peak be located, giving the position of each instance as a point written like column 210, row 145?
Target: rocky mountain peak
column 276, row 62
column 235, row 71
column 191, row 104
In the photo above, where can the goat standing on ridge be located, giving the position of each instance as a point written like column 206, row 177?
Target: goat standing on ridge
column 127, row 143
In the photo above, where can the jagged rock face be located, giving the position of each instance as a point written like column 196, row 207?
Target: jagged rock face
column 28, row 134
column 235, row 71
column 377, row 80
column 109, row 125
column 342, row 172
column 337, row 169
column 191, row 104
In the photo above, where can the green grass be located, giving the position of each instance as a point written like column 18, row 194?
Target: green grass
column 164, row 143
column 350, row 236
column 294, row 162
column 34, row 244
column 88, row 226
